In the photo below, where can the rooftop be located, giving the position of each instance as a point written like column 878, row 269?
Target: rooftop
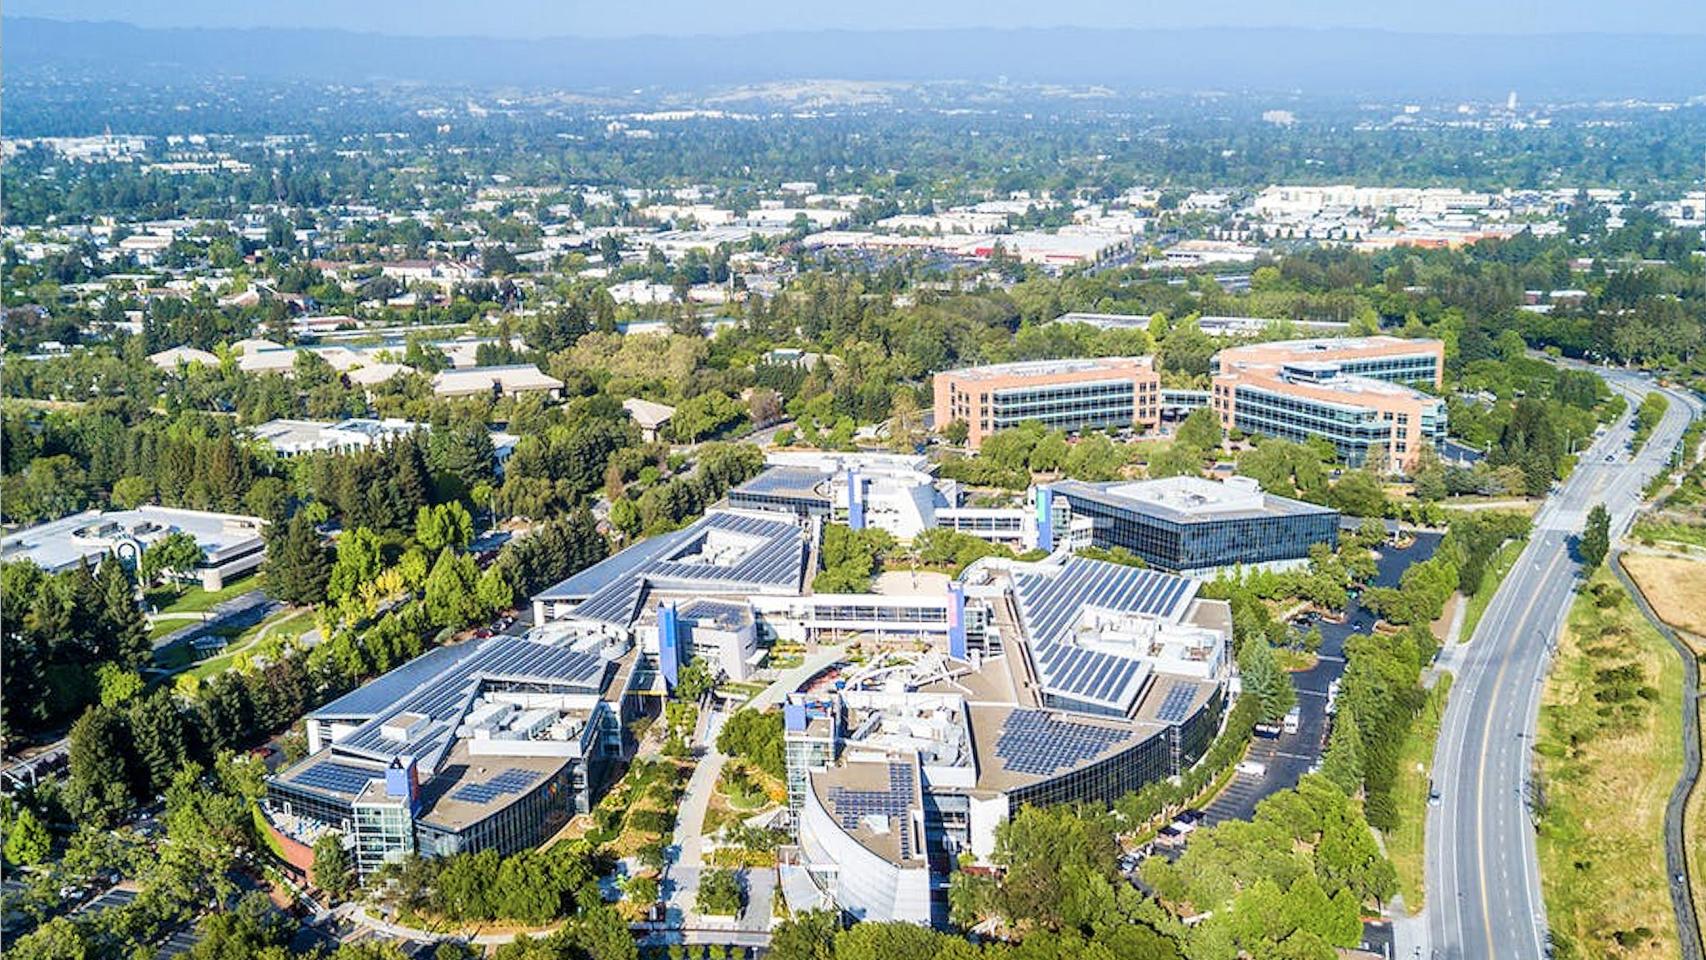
column 61, row 544
column 1190, row 499
column 1049, row 368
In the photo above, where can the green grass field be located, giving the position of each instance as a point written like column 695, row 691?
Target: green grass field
column 1610, row 749
column 1404, row 845
column 193, row 599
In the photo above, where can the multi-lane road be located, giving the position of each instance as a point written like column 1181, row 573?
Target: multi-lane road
column 1483, row 879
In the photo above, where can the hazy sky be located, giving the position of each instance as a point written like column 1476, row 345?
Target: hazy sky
column 532, row 18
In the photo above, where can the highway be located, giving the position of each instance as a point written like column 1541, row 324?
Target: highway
column 1483, row 878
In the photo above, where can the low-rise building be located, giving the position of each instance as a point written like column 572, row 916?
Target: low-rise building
column 1193, row 525
column 502, row 381
column 484, row 745
column 1068, row 681
column 231, row 544
column 290, row 438
column 1102, row 393
column 650, row 416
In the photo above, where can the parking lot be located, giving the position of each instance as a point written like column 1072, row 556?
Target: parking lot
column 1289, row 756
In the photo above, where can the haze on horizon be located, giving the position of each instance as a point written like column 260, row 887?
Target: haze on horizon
column 544, row 18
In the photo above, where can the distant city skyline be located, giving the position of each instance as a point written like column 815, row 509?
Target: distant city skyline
column 541, row 18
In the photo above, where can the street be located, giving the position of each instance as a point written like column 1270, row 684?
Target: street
column 1483, row 882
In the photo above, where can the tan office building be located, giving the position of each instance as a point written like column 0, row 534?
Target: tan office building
column 1105, row 393
column 1352, row 392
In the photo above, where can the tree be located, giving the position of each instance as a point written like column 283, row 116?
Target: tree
column 451, row 599
column 118, row 685
column 1186, row 350
column 97, row 790
column 1201, row 429
column 1595, row 541
column 360, row 559
column 720, row 893
column 176, row 555
column 1342, row 763
column 1263, row 679
column 1175, row 460
column 444, row 525
column 956, row 432
column 1359, row 493
column 120, row 619
column 806, row 936
column 297, row 565
column 160, row 740
column 493, row 590
column 132, row 492
column 27, row 840
column 331, row 870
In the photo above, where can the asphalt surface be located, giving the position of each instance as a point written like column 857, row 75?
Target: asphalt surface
column 1289, row 756
column 1676, row 850
column 1483, row 878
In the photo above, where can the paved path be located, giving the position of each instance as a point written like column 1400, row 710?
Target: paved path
column 1676, row 810
column 1483, row 876
column 244, row 609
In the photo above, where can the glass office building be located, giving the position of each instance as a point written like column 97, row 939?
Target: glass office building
column 1188, row 523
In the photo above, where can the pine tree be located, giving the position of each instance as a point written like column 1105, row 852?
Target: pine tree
column 126, row 640
column 1263, row 679
column 159, row 741
column 1595, row 542
column 98, row 787
column 298, row 564
column 86, row 604
column 1342, row 763
column 331, row 869
column 27, row 840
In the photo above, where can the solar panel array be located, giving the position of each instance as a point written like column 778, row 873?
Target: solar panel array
column 1050, row 605
column 1034, row 742
column 341, row 778
column 717, row 613
column 799, row 482
column 777, row 560
column 1091, row 675
column 440, row 698
column 511, row 780
column 851, row 806
column 1177, row 703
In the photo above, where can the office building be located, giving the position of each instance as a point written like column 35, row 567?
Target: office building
column 1194, row 525
column 1353, row 393
column 291, row 438
column 483, row 745
column 1080, row 682
column 1109, row 393
column 231, row 544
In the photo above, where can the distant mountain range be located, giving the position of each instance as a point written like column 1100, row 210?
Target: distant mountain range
column 1338, row 62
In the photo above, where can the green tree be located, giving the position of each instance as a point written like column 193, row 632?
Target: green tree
column 806, row 936
column 1359, row 493
column 118, row 685
column 451, row 599
column 1342, row 763
column 361, row 557
column 1201, row 429
column 297, row 564
column 176, row 555
column 1263, row 679
column 27, row 840
column 1595, row 541
column 132, row 492
column 97, row 789
column 124, row 630
column 1175, row 460
column 331, row 869
column 494, row 591
column 444, row 525
column 720, row 893
column 956, row 432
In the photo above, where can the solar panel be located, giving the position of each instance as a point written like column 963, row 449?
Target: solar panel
column 1033, row 742
column 509, row 781
column 851, row 806
column 1177, row 703
column 338, row 777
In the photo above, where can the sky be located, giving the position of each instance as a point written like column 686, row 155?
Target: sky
column 539, row 18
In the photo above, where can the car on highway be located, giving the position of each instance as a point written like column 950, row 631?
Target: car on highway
column 1433, row 795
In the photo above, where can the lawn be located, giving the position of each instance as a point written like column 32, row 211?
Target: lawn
column 193, row 599
column 1653, row 531
column 1502, row 562
column 1610, row 750
column 286, row 626
column 1404, row 845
